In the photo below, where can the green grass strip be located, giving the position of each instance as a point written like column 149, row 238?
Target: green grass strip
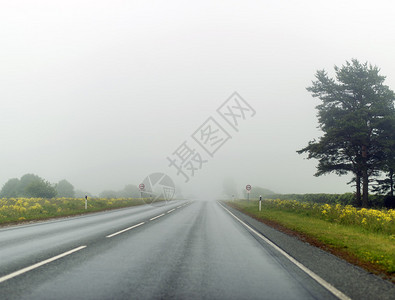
column 373, row 248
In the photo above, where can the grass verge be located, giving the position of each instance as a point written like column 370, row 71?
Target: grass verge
column 372, row 251
column 19, row 210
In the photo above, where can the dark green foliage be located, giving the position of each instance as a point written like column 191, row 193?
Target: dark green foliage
column 387, row 159
column 65, row 189
column 389, row 201
column 355, row 116
column 10, row 189
column 29, row 186
column 24, row 182
column 343, row 199
column 39, row 188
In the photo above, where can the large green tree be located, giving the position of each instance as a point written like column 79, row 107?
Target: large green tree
column 10, row 189
column 30, row 185
column 65, row 189
column 355, row 108
column 387, row 184
column 25, row 181
column 40, row 188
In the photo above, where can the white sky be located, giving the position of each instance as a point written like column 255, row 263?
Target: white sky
column 101, row 92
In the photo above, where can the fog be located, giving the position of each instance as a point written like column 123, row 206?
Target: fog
column 101, row 93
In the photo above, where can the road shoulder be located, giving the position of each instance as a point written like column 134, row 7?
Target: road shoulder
column 351, row 280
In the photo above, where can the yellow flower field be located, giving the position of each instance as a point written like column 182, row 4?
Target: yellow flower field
column 20, row 209
column 376, row 220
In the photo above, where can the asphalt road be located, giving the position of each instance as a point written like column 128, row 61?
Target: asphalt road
column 185, row 250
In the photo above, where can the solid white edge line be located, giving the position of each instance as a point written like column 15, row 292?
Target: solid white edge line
column 126, row 229
column 317, row 278
column 35, row 266
column 171, row 210
column 156, row 217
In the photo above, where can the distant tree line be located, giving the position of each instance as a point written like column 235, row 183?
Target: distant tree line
column 357, row 118
column 343, row 199
column 129, row 191
column 33, row 186
column 231, row 190
column 257, row 191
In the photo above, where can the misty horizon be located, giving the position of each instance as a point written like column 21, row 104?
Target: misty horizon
column 101, row 95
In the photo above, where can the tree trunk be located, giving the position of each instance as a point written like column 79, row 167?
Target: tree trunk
column 365, row 188
column 365, row 177
column 392, row 182
column 358, row 185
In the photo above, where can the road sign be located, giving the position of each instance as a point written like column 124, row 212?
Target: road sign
column 248, row 187
column 141, row 186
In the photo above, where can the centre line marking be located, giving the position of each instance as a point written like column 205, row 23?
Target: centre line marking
column 317, row 278
column 126, row 229
column 35, row 266
column 156, row 217
column 171, row 210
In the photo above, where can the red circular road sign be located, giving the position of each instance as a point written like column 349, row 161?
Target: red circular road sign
column 141, row 186
column 248, row 187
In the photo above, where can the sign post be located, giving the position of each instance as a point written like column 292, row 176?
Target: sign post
column 260, row 201
column 141, row 187
column 248, row 188
column 86, row 202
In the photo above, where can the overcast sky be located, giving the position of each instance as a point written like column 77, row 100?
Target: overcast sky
column 102, row 92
